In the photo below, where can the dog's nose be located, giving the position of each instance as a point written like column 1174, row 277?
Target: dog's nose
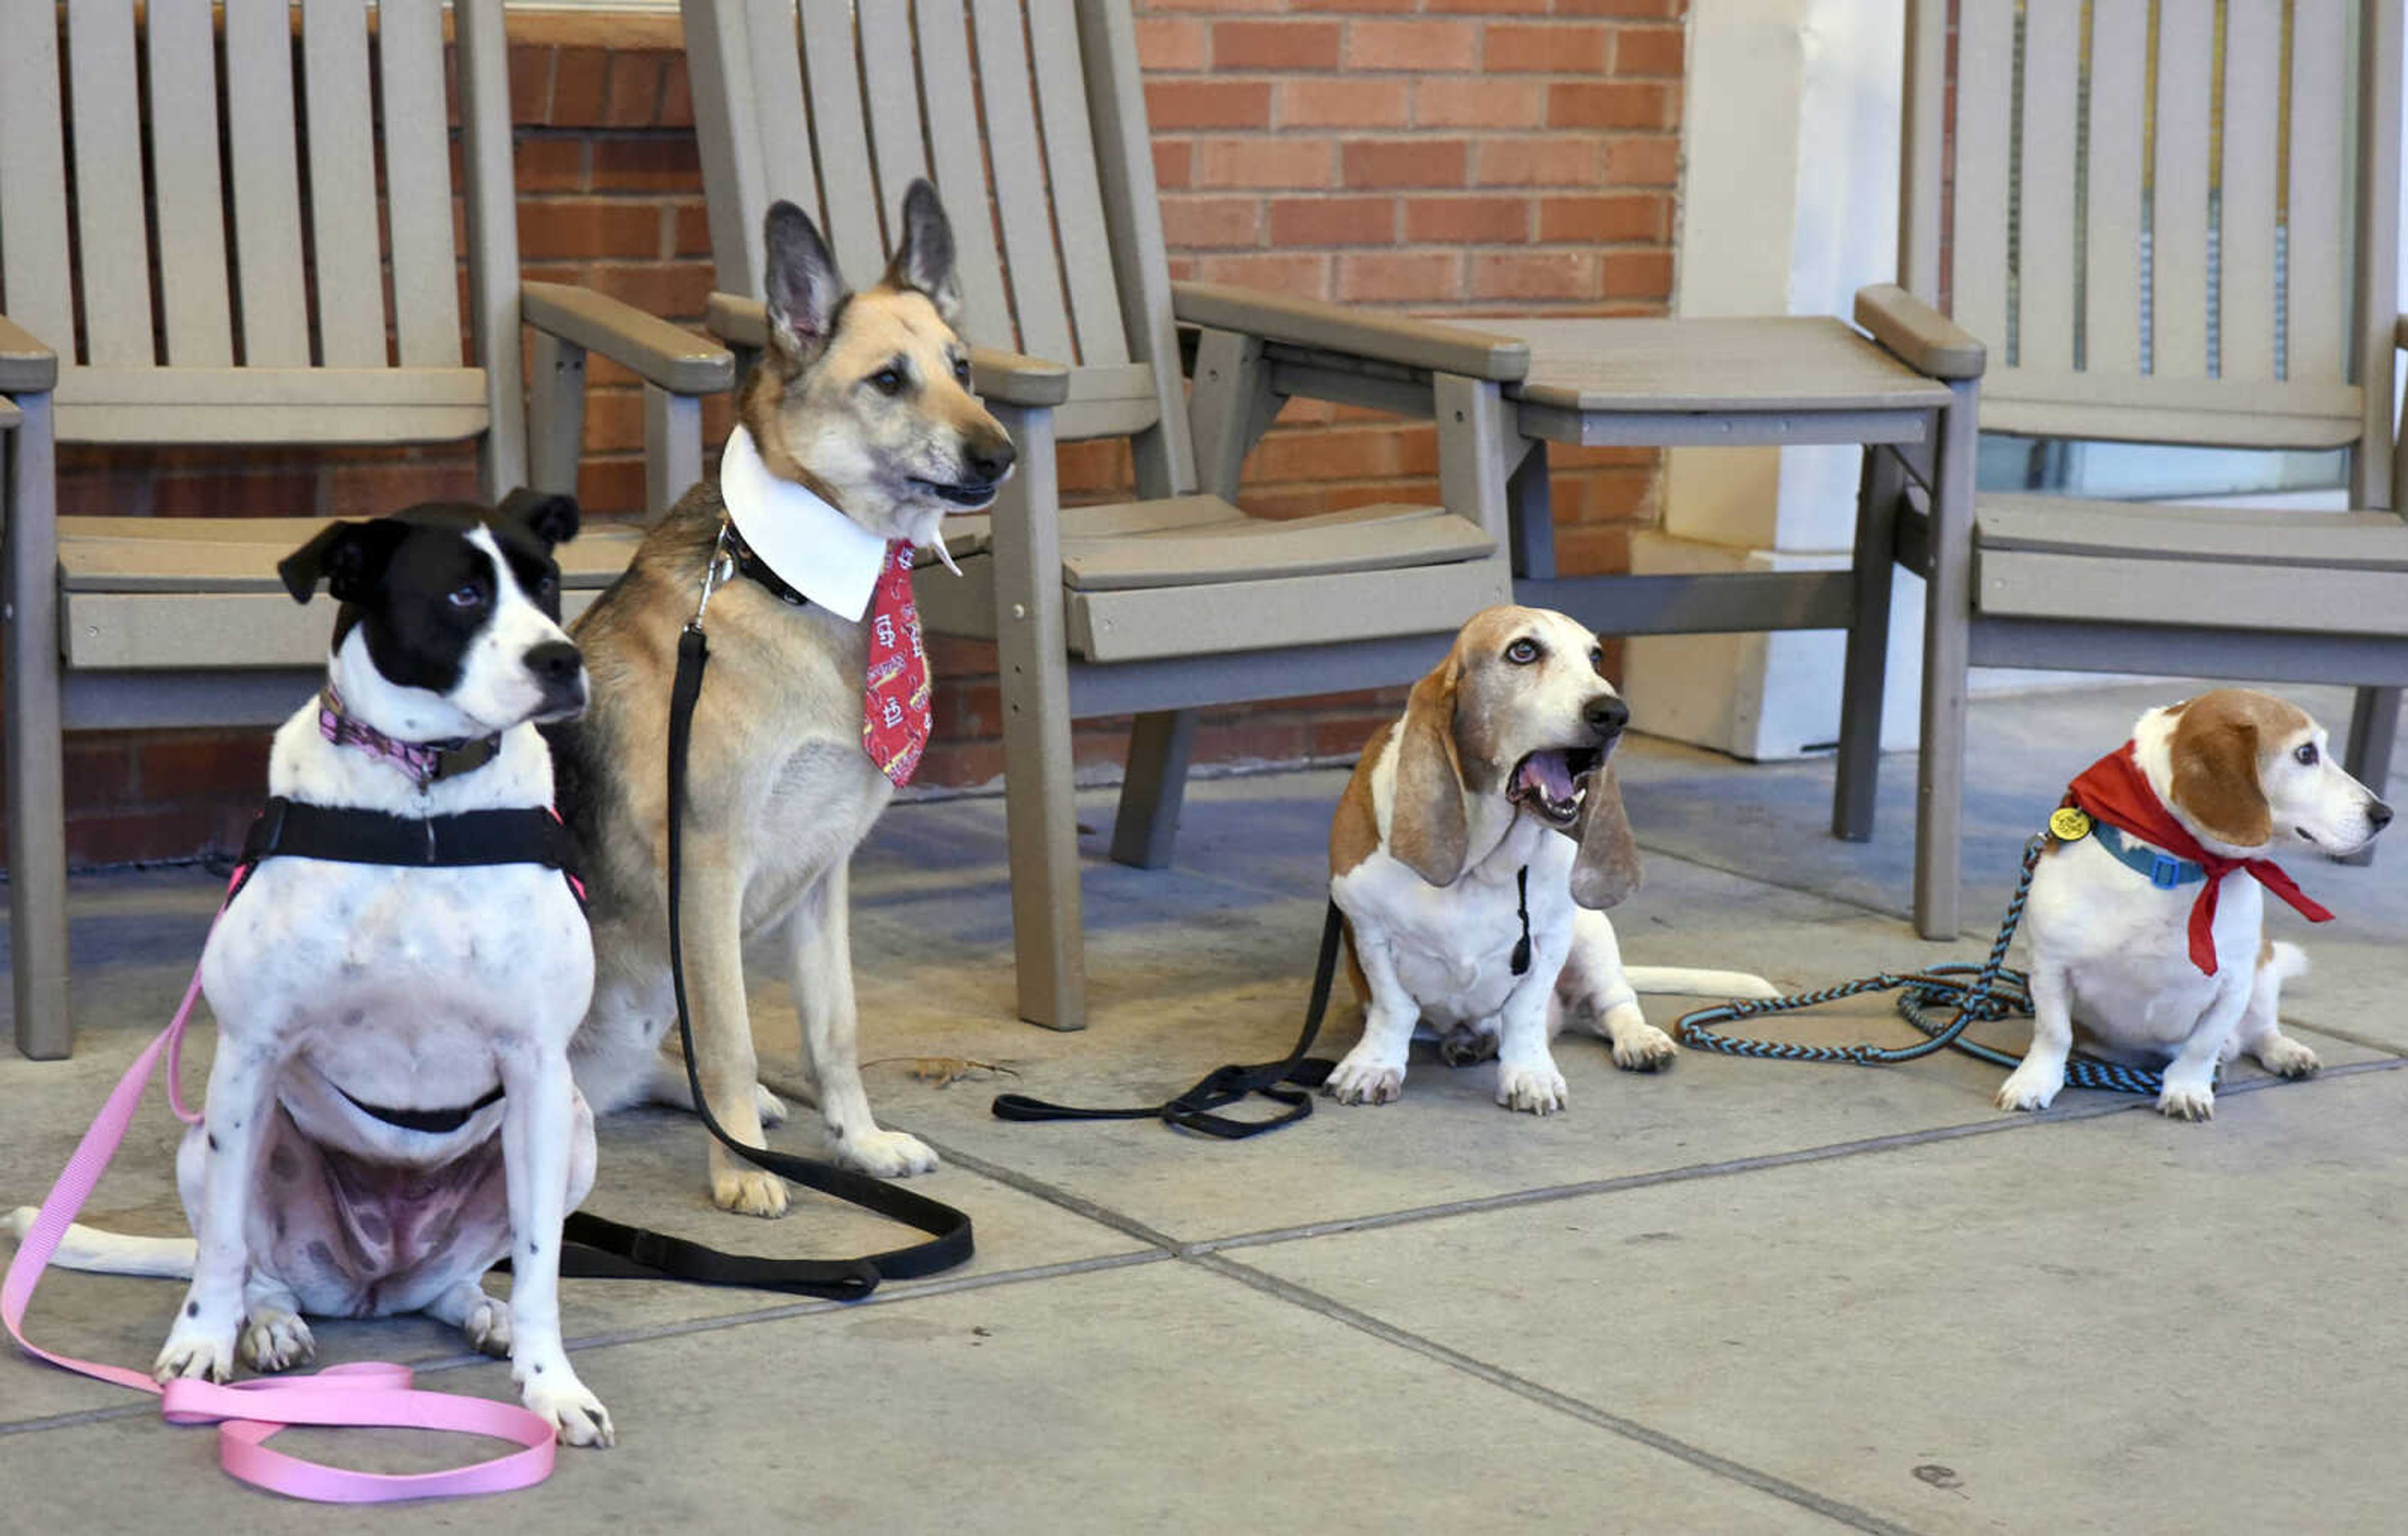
column 553, row 662
column 988, row 459
column 1606, row 715
column 2378, row 815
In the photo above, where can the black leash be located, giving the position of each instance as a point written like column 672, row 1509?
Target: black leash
column 596, row 1247
column 1194, row 1110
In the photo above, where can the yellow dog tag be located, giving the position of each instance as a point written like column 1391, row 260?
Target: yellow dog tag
column 2069, row 825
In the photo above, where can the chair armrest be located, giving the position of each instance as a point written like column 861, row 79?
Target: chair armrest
column 1919, row 335
column 654, row 350
column 1400, row 339
column 1007, row 377
column 26, row 365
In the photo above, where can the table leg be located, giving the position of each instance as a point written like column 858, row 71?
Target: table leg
column 1874, row 563
column 1947, row 633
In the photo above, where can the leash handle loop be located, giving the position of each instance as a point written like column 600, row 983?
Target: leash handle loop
column 1994, row 991
column 1228, row 1085
column 369, row 1393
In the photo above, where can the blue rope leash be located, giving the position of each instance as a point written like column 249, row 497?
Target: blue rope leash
column 1995, row 992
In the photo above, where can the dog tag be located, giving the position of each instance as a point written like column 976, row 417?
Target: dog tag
column 2069, row 825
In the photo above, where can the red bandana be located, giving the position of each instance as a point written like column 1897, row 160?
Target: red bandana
column 895, row 691
column 2114, row 791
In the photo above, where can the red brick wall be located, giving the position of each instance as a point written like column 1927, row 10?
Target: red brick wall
column 1437, row 156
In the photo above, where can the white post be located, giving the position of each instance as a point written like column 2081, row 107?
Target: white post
column 1789, row 204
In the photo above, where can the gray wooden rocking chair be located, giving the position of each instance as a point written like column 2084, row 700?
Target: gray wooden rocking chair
column 1158, row 605
column 262, row 337
column 2215, row 266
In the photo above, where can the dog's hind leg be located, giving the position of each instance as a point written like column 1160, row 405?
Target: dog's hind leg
column 668, row 1085
column 1593, row 989
column 818, row 939
column 274, row 1337
column 483, row 1320
column 2259, row 1033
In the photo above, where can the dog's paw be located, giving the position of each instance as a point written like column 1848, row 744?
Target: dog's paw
column 195, row 1351
column 487, row 1327
column 576, row 1415
column 748, row 1191
column 276, row 1340
column 21, row 1221
column 1365, row 1082
column 2286, row 1058
column 1533, row 1090
column 2029, row 1087
column 1466, row 1046
column 884, row 1154
column 1643, row 1047
column 768, row 1105
column 2187, row 1102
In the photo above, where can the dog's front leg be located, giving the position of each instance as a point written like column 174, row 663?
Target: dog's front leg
column 1373, row 1073
column 538, row 1118
column 819, row 941
column 1526, row 1075
column 2189, row 1090
column 242, row 1095
column 723, row 1058
column 2034, row 1083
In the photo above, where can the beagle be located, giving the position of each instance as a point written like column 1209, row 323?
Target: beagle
column 1471, row 856
column 2146, row 910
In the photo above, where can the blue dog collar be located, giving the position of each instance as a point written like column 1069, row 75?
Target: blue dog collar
column 2153, row 863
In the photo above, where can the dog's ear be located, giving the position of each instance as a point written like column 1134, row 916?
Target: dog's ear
column 923, row 261
column 804, row 286
column 553, row 518
column 1426, row 830
column 1606, row 869
column 2214, row 756
column 350, row 557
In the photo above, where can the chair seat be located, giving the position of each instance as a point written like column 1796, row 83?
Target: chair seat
column 2058, row 557
column 1191, row 541
column 183, row 592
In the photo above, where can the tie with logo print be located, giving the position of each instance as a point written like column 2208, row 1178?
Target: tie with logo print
column 895, row 691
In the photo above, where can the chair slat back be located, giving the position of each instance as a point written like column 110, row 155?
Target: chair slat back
column 294, row 211
column 1016, row 108
column 2170, row 220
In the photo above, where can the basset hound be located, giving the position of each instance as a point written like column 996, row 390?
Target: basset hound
column 1472, row 854
column 2146, row 912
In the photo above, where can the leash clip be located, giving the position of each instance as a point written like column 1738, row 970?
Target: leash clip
column 716, row 572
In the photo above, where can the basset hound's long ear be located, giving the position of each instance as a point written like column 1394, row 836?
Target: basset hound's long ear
column 1427, row 829
column 1606, row 869
column 2215, row 757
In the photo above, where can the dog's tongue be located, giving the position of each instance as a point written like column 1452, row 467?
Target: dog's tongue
column 1548, row 773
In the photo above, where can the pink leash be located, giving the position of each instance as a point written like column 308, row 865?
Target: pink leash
column 370, row 1393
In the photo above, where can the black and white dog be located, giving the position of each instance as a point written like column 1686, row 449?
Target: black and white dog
column 390, row 1111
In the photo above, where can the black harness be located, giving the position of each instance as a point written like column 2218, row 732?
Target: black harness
column 294, row 829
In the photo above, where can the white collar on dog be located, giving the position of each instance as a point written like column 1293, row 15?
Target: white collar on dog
column 812, row 547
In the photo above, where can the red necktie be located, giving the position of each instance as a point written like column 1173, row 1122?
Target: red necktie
column 895, row 691
column 2114, row 791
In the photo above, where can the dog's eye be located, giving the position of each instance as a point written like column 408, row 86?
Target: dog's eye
column 465, row 595
column 1596, row 659
column 2307, row 754
column 1522, row 652
column 546, row 584
column 887, row 381
column 962, row 372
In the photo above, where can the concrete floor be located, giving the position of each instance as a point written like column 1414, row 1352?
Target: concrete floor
column 1739, row 1295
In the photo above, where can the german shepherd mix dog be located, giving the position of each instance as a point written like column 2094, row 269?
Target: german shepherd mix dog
column 856, row 431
